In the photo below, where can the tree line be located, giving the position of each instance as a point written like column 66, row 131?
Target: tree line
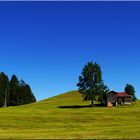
column 92, row 87
column 14, row 92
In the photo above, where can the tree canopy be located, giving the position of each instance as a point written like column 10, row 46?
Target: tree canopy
column 14, row 92
column 131, row 91
column 90, row 83
column 4, row 89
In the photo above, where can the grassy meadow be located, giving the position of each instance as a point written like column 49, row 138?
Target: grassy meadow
column 65, row 117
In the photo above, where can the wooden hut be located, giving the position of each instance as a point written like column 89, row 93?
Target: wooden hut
column 118, row 98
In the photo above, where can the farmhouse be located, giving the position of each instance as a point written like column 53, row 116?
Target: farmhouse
column 118, row 98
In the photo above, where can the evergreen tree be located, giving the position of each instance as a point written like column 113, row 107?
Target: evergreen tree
column 21, row 93
column 25, row 95
column 22, row 83
column 13, row 91
column 29, row 97
column 90, row 82
column 4, row 90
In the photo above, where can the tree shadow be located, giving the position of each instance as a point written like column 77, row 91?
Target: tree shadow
column 80, row 106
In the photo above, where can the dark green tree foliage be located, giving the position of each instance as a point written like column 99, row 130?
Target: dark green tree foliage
column 21, row 93
column 15, row 92
column 130, row 90
column 102, row 97
column 29, row 97
column 4, row 89
column 90, row 82
column 25, row 95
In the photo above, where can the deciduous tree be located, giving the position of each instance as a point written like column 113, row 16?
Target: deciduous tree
column 90, row 82
column 130, row 90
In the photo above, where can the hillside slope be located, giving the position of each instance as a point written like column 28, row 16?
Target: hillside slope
column 65, row 116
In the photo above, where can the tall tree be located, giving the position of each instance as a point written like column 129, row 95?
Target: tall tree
column 90, row 82
column 13, row 93
column 130, row 90
column 4, row 89
column 29, row 97
column 21, row 93
column 25, row 95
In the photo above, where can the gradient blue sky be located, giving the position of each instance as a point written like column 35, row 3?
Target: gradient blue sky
column 48, row 43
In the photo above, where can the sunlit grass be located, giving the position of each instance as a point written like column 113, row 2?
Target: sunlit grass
column 46, row 120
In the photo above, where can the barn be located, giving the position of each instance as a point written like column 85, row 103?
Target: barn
column 118, row 98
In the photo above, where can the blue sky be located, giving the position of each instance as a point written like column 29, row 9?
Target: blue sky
column 48, row 43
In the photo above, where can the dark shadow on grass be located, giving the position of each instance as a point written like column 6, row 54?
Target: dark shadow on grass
column 80, row 106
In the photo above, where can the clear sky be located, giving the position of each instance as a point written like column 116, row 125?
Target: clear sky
column 48, row 43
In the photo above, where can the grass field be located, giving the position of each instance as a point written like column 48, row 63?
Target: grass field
column 46, row 119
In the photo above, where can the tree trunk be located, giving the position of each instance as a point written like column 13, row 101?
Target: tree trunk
column 92, row 104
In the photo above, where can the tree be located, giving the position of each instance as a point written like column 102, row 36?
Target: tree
column 90, row 82
column 19, row 92
column 4, row 89
column 131, row 91
column 25, row 95
column 102, row 97
column 29, row 97
column 21, row 99
column 15, row 92
column 13, row 87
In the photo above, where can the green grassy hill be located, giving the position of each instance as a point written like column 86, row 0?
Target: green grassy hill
column 65, row 117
